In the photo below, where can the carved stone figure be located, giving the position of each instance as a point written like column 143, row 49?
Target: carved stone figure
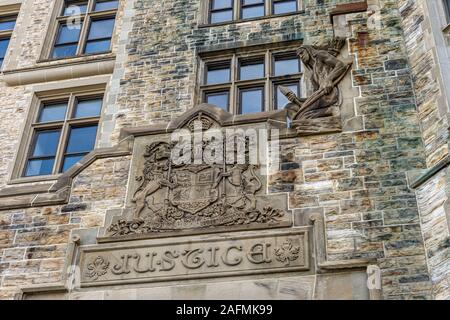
column 326, row 72
column 154, row 176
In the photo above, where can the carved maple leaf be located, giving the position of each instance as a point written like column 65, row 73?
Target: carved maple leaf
column 97, row 268
column 287, row 252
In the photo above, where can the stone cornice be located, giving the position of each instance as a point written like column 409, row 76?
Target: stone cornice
column 47, row 72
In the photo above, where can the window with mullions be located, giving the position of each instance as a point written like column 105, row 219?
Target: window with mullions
column 222, row 11
column 64, row 131
column 7, row 25
column 250, row 83
column 84, row 27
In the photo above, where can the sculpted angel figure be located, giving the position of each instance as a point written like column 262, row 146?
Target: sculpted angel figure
column 326, row 73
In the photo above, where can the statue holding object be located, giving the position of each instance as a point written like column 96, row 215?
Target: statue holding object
column 326, row 73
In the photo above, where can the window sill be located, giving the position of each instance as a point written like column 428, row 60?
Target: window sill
column 209, row 25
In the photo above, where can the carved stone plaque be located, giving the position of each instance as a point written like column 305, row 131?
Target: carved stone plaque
column 169, row 197
column 201, row 257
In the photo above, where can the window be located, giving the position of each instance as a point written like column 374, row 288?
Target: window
column 280, row 99
column 251, row 69
column 219, row 73
column 220, row 99
column 64, row 131
column 251, row 100
column 285, row 64
column 250, row 83
column 7, row 25
column 222, row 11
column 284, row 6
column 84, row 27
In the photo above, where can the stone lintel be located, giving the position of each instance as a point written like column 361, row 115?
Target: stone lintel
column 58, row 72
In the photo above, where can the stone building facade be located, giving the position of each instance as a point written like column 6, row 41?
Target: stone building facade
column 366, row 200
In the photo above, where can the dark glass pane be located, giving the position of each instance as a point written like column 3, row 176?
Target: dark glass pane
column 218, row 75
column 46, row 143
column 221, row 16
column 54, row 112
column 253, row 12
column 81, row 139
column 1, row 62
column 3, row 47
column 98, row 46
column 219, row 99
column 88, row 108
column 75, row 8
column 106, row 5
column 250, row 2
column 251, row 101
column 68, row 34
column 251, row 71
column 39, row 167
column 69, row 161
column 286, row 66
column 285, row 6
column 221, row 4
column 7, row 25
column 281, row 99
column 101, row 29
column 68, row 50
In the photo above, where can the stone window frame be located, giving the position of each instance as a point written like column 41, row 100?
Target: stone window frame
column 248, row 54
column 54, row 96
column 57, row 19
column 237, row 12
column 7, row 12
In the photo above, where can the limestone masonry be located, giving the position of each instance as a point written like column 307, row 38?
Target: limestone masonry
column 357, row 90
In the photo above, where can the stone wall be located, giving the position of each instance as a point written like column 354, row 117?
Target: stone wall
column 433, row 199
column 427, row 49
column 426, row 72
